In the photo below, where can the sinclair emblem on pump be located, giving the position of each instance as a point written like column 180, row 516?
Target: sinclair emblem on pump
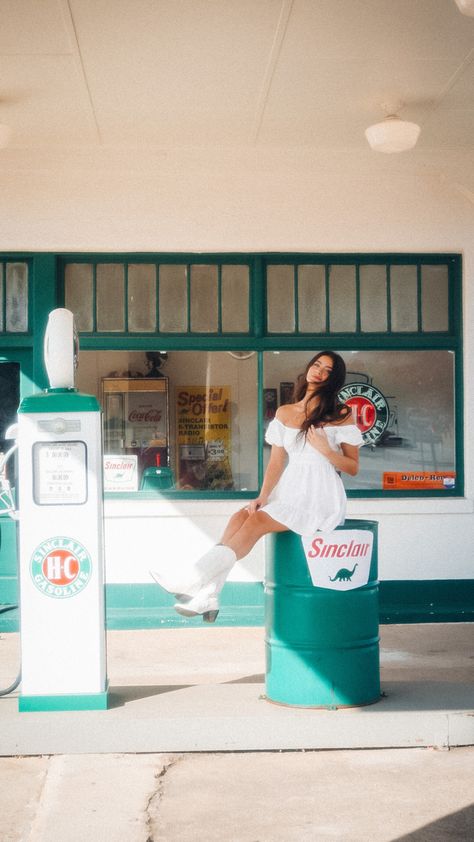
column 60, row 567
column 370, row 409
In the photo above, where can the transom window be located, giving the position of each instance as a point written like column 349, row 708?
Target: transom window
column 330, row 298
column 184, row 298
column 13, row 297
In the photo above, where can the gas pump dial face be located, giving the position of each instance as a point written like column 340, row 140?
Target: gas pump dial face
column 60, row 473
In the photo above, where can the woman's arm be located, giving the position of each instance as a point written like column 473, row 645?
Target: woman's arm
column 273, row 473
column 347, row 461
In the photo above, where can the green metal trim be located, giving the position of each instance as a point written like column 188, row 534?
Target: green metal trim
column 44, row 297
column 219, row 298
column 295, row 299
column 357, row 284
column 177, row 494
column 327, row 289
column 16, row 341
column 77, row 701
column 157, row 297
column 3, row 303
column 188, row 297
column 59, row 400
column 419, row 302
column 125, row 298
column 260, row 409
column 427, row 601
column 258, row 310
column 389, row 298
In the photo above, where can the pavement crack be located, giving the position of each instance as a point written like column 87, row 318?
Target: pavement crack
column 156, row 796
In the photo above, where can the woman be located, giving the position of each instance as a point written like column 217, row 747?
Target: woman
column 312, row 440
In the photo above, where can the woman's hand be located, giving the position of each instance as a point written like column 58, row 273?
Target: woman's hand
column 255, row 505
column 318, row 439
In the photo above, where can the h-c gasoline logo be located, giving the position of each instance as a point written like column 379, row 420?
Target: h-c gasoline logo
column 369, row 407
column 60, row 567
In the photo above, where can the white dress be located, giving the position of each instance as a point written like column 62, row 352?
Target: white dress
column 309, row 494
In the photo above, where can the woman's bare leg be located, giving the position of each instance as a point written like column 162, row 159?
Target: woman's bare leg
column 253, row 527
column 235, row 523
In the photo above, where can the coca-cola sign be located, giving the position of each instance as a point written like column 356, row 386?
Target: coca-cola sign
column 147, row 416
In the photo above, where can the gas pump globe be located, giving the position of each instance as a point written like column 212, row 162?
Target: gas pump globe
column 61, row 536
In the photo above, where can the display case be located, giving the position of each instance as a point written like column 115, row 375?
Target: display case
column 136, row 419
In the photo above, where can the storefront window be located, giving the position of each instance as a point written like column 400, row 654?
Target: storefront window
column 403, row 402
column 193, row 413
column 396, row 318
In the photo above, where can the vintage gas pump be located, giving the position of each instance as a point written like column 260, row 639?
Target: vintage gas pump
column 63, row 650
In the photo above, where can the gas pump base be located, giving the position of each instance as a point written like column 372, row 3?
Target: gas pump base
column 74, row 701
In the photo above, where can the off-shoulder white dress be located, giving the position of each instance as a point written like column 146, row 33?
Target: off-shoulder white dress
column 309, row 494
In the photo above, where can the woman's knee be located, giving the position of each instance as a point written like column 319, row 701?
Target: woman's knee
column 259, row 522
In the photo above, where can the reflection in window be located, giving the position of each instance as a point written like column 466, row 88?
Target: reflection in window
column 403, row 402
column 16, row 315
column 193, row 413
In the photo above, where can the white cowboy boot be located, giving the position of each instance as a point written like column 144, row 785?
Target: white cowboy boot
column 214, row 568
column 219, row 559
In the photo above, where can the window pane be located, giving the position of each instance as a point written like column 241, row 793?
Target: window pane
column 16, row 316
column 110, row 297
column 312, row 299
column 434, row 297
column 342, row 299
column 280, row 299
column 235, row 299
column 204, row 299
column 207, row 401
column 141, row 297
column 78, row 294
column 403, row 402
column 173, row 299
column 403, row 298
column 373, row 298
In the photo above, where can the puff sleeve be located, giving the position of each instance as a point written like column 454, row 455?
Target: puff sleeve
column 275, row 432
column 349, row 434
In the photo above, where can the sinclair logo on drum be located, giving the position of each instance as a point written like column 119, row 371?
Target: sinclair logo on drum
column 369, row 407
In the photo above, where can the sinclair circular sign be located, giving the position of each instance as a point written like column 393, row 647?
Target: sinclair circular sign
column 60, row 567
column 370, row 409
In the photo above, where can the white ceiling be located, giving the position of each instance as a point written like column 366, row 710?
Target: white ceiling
column 82, row 74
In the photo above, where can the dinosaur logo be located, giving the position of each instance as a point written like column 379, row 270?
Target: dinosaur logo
column 344, row 575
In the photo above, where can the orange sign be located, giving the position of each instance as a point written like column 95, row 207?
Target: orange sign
column 403, row 480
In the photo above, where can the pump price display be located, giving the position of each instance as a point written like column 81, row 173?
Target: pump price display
column 59, row 473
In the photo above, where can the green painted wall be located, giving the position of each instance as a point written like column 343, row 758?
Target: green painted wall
column 148, row 607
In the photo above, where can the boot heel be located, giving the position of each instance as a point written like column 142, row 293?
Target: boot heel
column 210, row 616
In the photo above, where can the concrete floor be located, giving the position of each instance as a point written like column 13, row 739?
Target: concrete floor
column 424, row 794
column 202, row 689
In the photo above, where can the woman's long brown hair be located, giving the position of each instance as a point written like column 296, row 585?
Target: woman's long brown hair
column 328, row 409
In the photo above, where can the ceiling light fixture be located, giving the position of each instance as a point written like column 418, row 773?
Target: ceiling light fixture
column 5, row 133
column 466, row 7
column 392, row 135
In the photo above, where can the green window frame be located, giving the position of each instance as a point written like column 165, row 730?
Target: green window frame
column 46, row 285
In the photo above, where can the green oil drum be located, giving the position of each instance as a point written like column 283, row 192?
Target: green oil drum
column 322, row 645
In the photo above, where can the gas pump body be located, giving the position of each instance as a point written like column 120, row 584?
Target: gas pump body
column 61, row 557
column 61, row 552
